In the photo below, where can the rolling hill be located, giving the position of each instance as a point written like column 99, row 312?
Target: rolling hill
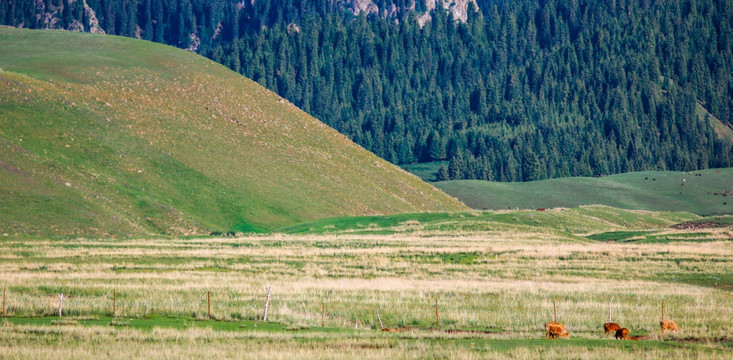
column 705, row 192
column 104, row 135
column 514, row 91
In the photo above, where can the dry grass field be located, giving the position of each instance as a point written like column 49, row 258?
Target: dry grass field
column 495, row 290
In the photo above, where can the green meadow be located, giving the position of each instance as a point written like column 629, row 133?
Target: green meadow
column 703, row 192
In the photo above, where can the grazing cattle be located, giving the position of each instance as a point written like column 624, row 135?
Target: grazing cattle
column 622, row 334
column 669, row 325
column 611, row 327
column 554, row 330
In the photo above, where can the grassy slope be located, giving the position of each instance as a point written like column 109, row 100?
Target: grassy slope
column 564, row 222
column 108, row 135
column 628, row 191
column 724, row 131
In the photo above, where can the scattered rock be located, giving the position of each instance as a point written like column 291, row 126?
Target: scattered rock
column 293, row 28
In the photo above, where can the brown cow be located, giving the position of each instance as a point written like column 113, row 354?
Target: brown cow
column 547, row 328
column 622, row 333
column 611, row 327
column 554, row 330
column 669, row 325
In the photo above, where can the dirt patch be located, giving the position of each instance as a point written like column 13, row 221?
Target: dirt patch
column 692, row 339
column 10, row 168
column 698, row 225
column 457, row 331
column 449, row 331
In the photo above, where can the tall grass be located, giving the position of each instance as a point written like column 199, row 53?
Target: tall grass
column 482, row 282
column 501, row 281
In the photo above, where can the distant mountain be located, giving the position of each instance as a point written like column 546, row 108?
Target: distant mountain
column 501, row 90
column 103, row 135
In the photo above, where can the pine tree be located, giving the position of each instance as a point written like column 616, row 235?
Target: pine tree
column 442, row 173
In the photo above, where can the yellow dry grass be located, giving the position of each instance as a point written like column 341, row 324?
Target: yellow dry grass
column 493, row 281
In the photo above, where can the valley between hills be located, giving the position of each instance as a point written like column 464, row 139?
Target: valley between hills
column 185, row 211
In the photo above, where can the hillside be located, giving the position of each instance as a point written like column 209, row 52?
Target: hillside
column 515, row 91
column 706, row 194
column 103, row 135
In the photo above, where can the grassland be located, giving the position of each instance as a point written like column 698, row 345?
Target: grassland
column 109, row 136
column 566, row 222
column 497, row 279
column 705, row 194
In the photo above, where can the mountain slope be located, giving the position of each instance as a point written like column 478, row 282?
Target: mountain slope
column 515, row 91
column 704, row 192
column 109, row 135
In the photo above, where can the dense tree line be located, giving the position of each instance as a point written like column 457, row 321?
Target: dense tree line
column 524, row 90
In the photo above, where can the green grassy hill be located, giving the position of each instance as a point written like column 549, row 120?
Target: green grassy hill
column 103, row 135
column 647, row 190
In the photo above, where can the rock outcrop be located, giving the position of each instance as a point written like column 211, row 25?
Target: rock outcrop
column 359, row 6
column 457, row 8
column 49, row 17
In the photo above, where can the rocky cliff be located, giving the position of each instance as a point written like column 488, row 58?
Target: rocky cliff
column 458, row 8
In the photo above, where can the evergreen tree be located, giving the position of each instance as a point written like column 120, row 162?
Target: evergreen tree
column 442, row 173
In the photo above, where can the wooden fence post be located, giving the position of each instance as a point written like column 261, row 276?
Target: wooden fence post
column 267, row 303
column 662, row 310
column 323, row 313
column 208, row 297
column 4, row 288
column 61, row 303
column 114, row 302
column 381, row 326
column 437, row 318
column 554, row 310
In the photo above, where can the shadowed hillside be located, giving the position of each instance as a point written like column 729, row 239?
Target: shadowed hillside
column 103, row 135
